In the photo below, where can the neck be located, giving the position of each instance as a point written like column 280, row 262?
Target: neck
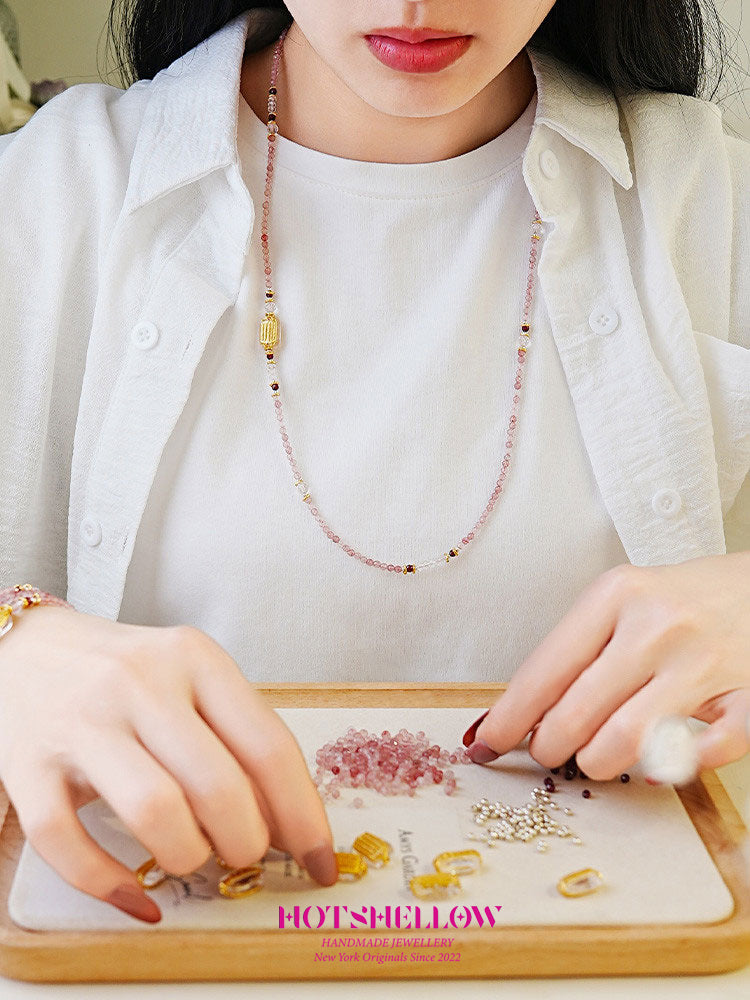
column 316, row 110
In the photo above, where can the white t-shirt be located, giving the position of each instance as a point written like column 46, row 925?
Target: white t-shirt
column 400, row 290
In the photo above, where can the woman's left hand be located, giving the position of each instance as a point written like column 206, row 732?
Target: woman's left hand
column 641, row 642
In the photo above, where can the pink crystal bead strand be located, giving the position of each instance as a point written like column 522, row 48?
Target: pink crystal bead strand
column 395, row 764
column 270, row 338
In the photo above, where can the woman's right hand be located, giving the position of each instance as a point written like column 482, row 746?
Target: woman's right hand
column 161, row 723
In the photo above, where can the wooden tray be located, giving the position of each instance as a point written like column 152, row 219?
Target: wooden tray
column 533, row 950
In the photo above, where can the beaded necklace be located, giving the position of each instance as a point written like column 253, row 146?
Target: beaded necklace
column 270, row 338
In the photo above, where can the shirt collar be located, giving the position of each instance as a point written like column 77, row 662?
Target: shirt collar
column 189, row 127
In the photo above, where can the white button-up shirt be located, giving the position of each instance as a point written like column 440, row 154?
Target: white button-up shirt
column 124, row 229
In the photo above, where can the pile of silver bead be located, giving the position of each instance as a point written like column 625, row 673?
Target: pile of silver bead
column 509, row 823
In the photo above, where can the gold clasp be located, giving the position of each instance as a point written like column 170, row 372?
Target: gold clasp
column 242, row 882
column 150, row 875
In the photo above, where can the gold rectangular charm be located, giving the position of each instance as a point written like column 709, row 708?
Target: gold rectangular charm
column 436, row 885
column 375, row 849
column 269, row 331
column 351, row 866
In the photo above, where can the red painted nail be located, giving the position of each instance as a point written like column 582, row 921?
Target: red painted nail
column 481, row 753
column 320, row 863
column 135, row 902
column 652, row 782
column 468, row 737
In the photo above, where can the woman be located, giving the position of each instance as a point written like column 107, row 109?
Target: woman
column 414, row 220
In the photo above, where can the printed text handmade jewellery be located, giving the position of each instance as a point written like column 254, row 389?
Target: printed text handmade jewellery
column 270, row 338
column 23, row 595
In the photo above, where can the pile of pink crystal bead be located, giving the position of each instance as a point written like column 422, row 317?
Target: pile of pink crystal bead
column 392, row 765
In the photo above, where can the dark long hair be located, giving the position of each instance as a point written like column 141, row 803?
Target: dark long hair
column 628, row 44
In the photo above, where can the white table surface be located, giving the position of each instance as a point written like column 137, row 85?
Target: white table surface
column 730, row 986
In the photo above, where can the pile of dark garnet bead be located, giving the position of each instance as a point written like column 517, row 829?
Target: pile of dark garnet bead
column 572, row 770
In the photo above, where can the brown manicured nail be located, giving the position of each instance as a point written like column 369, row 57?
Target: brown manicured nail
column 320, row 863
column 481, row 753
column 468, row 737
column 136, row 903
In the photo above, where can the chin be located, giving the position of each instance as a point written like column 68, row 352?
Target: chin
column 406, row 101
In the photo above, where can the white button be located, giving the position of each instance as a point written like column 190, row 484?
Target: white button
column 549, row 164
column 144, row 335
column 91, row 531
column 603, row 320
column 666, row 502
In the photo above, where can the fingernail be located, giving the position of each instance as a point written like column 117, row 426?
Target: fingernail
column 652, row 782
column 320, row 863
column 136, row 903
column 468, row 737
column 481, row 753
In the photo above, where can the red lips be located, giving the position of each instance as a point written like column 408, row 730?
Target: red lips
column 428, row 56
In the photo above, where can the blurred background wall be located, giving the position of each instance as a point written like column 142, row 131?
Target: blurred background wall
column 64, row 38
column 59, row 38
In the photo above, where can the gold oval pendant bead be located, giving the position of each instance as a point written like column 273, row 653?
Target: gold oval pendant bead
column 458, row 862
column 580, row 883
column 242, row 882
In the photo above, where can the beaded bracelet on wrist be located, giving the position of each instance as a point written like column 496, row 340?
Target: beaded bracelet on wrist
column 20, row 597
